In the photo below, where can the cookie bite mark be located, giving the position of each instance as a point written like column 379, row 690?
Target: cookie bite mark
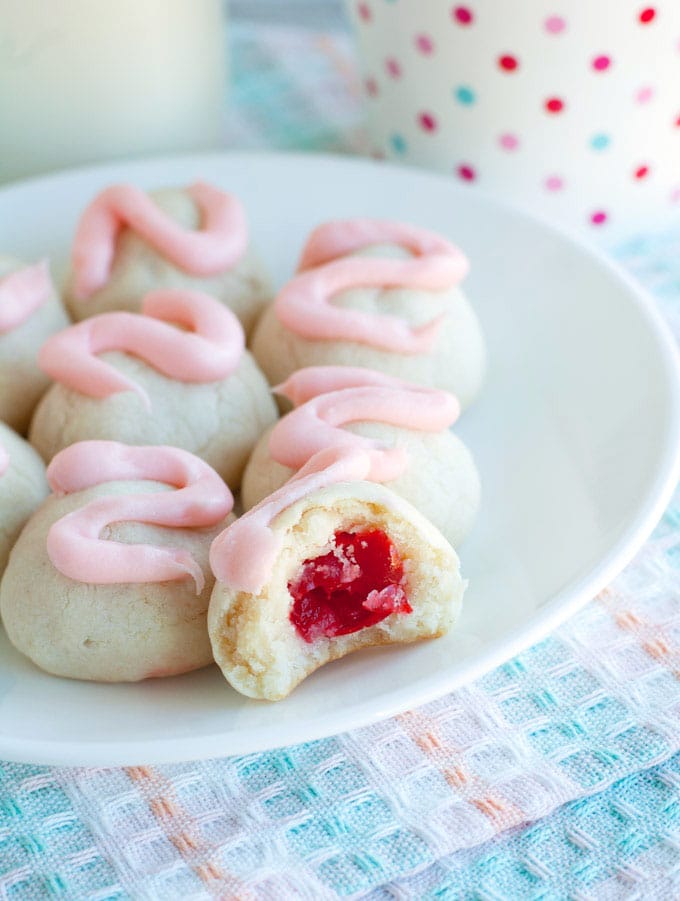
column 356, row 584
column 336, row 565
column 218, row 245
column 73, row 543
column 337, row 397
column 305, row 307
column 22, row 292
column 209, row 351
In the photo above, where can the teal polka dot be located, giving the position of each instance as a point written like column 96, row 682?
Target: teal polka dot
column 600, row 142
column 465, row 95
column 398, row 144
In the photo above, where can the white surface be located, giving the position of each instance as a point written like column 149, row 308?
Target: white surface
column 576, row 436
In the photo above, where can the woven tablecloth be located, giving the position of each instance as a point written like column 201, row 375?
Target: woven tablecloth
column 557, row 775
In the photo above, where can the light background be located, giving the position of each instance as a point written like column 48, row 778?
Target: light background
column 310, row 13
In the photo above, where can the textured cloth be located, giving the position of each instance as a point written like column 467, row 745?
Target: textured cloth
column 556, row 775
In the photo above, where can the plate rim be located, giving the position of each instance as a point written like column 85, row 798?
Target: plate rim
column 555, row 610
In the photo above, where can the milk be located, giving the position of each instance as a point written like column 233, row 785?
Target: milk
column 87, row 80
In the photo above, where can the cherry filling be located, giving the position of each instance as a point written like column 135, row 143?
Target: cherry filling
column 355, row 585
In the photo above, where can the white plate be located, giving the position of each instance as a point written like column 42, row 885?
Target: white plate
column 576, row 436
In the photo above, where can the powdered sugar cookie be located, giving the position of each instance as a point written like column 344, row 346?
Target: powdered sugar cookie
column 23, row 487
column 141, row 378
column 325, row 566
column 109, row 580
column 404, row 427
column 129, row 242
column 30, row 311
column 380, row 295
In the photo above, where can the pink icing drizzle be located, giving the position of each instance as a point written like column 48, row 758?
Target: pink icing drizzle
column 244, row 553
column 73, row 542
column 211, row 351
column 22, row 293
column 337, row 395
column 216, row 246
column 304, row 304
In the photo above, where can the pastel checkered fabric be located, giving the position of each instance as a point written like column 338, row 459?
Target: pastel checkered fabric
column 555, row 776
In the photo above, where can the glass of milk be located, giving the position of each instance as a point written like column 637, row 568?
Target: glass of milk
column 88, row 80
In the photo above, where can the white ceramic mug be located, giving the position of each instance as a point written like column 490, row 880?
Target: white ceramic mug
column 569, row 109
column 84, row 80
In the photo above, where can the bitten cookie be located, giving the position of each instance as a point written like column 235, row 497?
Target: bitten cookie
column 380, row 295
column 404, row 427
column 30, row 311
column 129, row 242
column 177, row 374
column 110, row 580
column 23, row 487
column 325, row 566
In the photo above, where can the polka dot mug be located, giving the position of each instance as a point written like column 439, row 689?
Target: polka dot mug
column 570, row 109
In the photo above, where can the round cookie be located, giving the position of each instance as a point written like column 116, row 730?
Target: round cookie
column 324, row 567
column 135, row 264
column 441, row 480
column 23, row 487
column 219, row 419
column 438, row 477
column 30, row 311
column 117, row 631
column 433, row 333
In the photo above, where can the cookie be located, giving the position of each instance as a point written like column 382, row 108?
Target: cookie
column 23, row 487
column 176, row 374
column 30, row 311
column 379, row 295
column 110, row 580
column 129, row 242
column 404, row 427
column 325, row 566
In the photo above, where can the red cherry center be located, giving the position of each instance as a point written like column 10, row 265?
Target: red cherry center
column 356, row 584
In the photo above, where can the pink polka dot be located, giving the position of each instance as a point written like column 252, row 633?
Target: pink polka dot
column 647, row 15
column 644, row 95
column 675, row 195
column 393, row 68
column 427, row 122
column 600, row 63
column 554, row 183
column 677, row 122
column 425, row 44
column 467, row 173
column 462, row 15
column 641, row 172
column 555, row 24
column 508, row 63
column 599, row 217
column 554, row 105
column 371, row 87
column 509, row 141
column 364, row 11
